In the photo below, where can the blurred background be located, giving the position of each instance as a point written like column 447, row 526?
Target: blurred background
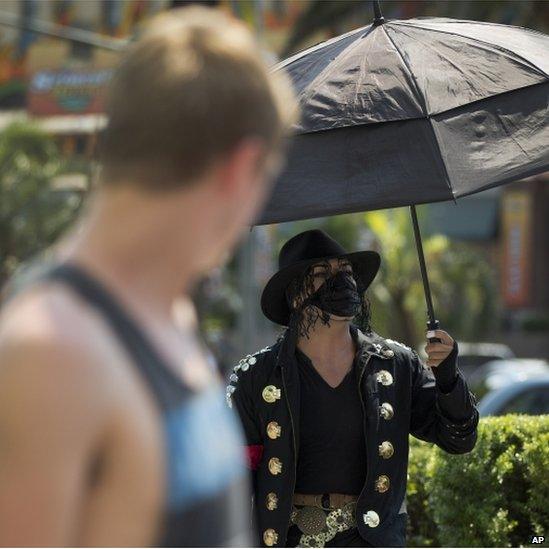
column 488, row 255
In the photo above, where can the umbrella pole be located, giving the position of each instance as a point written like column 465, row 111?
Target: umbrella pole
column 432, row 324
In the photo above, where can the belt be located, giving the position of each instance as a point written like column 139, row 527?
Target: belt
column 321, row 517
column 324, row 501
column 332, row 501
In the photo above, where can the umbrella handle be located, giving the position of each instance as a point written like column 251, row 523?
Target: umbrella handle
column 433, row 323
column 431, row 327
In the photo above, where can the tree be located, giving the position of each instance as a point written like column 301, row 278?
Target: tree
column 32, row 213
column 461, row 282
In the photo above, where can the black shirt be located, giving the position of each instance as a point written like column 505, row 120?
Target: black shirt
column 332, row 449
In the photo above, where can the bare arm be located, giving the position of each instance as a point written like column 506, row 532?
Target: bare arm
column 50, row 422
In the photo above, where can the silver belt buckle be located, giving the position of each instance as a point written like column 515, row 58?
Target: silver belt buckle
column 336, row 521
column 310, row 520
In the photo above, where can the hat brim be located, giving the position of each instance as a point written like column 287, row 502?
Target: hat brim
column 273, row 299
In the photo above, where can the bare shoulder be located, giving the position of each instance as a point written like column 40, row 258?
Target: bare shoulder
column 51, row 321
column 52, row 355
column 62, row 403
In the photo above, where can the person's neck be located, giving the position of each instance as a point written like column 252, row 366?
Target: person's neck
column 327, row 340
column 128, row 242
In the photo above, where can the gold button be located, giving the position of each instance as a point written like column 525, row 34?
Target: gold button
column 386, row 411
column 275, row 466
column 270, row 394
column 388, row 353
column 272, row 501
column 274, row 430
column 371, row 519
column 384, row 377
column 382, row 483
column 386, row 449
column 270, row 537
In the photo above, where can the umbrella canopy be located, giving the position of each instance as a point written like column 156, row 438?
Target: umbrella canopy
column 406, row 112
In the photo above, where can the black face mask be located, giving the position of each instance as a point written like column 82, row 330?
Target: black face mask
column 338, row 296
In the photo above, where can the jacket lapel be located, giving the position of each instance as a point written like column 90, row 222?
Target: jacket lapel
column 369, row 349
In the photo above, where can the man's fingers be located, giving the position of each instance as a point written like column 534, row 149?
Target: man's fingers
column 437, row 348
column 440, row 355
column 437, row 352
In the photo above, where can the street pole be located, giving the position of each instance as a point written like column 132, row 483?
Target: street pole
column 62, row 32
column 247, row 334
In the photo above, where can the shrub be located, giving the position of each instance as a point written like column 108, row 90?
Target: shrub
column 422, row 530
column 495, row 496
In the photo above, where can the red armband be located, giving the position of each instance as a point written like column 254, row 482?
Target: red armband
column 254, row 454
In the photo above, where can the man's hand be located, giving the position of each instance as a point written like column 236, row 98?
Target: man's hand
column 437, row 352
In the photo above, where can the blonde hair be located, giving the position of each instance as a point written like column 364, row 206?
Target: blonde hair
column 186, row 93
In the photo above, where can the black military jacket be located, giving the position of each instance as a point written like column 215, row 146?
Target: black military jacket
column 399, row 396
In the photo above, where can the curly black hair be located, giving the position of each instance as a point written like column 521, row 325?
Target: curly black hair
column 304, row 317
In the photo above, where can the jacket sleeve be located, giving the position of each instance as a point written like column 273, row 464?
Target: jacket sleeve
column 448, row 419
column 241, row 400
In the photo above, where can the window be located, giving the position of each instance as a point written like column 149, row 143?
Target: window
column 532, row 401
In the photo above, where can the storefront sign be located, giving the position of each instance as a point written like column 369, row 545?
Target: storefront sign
column 517, row 248
column 68, row 91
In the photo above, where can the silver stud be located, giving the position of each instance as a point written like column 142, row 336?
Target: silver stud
column 231, row 389
column 245, row 366
column 371, row 519
column 252, row 360
column 386, row 411
column 384, row 377
column 388, row 353
column 386, row 449
column 233, row 378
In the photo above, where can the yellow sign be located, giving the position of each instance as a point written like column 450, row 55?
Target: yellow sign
column 517, row 248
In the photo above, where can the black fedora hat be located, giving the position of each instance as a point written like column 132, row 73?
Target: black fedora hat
column 297, row 255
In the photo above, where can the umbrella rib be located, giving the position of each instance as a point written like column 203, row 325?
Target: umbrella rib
column 312, row 88
column 426, row 112
column 419, row 94
column 509, row 52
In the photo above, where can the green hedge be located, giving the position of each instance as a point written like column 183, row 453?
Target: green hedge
column 495, row 496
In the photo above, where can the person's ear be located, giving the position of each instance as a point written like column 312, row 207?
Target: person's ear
column 242, row 167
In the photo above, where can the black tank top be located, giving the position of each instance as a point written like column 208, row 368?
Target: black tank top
column 207, row 486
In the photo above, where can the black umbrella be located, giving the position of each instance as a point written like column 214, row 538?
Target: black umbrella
column 405, row 112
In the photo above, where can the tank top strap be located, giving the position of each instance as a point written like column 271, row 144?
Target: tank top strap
column 167, row 388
